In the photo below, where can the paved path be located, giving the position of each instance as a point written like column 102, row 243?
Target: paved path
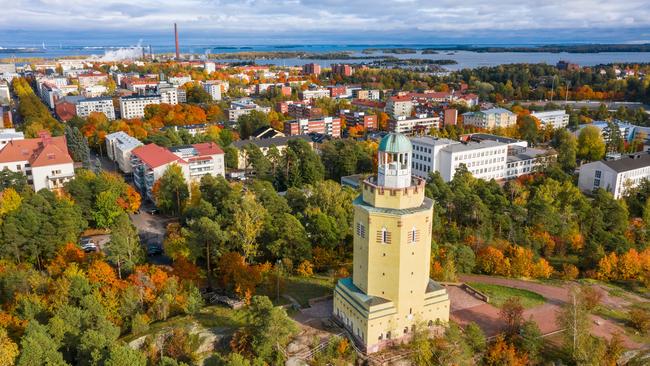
column 487, row 316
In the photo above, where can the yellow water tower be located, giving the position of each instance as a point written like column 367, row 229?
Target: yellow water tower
column 390, row 292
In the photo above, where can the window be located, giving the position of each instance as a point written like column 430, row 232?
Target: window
column 383, row 236
column 361, row 230
column 598, row 173
column 413, row 235
column 596, row 182
column 18, row 167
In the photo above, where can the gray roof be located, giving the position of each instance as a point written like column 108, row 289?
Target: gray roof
column 528, row 153
column 630, row 162
column 469, row 146
column 426, row 205
column 490, row 137
column 276, row 141
column 430, row 140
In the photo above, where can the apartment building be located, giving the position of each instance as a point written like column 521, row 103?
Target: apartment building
column 490, row 118
column 410, row 125
column 338, row 91
column 399, row 106
column 342, row 69
column 5, row 95
column 85, row 107
column 119, row 146
column 299, row 110
column 364, row 94
column 330, row 126
column 45, row 160
column 616, row 176
column 213, row 87
column 279, row 143
column 91, row 78
column 555, row 119
column 314, row 94
column 133, row 106
column 202, row 159
column 368, row 121
column 311, row 69
column 149, row 163
column 168, row 95
column 9, row 134
column 243, row 107
column 179, row 80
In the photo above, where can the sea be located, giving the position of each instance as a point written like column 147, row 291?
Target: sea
column 109, row 49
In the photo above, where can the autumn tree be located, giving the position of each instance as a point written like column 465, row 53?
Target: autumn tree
column 171, row 190
column 124, row 248
column 591, row 145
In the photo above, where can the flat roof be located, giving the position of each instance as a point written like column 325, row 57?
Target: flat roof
column 629, row 162
column 469, row 146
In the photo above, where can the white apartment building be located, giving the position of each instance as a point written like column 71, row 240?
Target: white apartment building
column 485, row 159
column 179, row 80
column 209, row 67
column 118, row 148
column 44, row 160
column 556, row 119
column 242, row 107
column 615, row 176
column 5, row 96
column 103, row 105
column 409, row 125
column 314, row 94
column 133, row 106
column 213, row 87
column 202, row 159
column 168, row 95
column 149, row 163
column 399, row 106
column 94, row 91
column 490, row 118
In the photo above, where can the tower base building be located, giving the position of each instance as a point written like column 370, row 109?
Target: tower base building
column 390, row 293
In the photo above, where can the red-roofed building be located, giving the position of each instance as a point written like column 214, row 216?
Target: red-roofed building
column 65, row 110
column 149, row 163
column 44, row 160
column 368, row 104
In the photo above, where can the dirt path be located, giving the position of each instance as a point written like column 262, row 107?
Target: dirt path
column 487, row 316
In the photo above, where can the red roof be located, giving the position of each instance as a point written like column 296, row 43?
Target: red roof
column 155, row 156
column 400, row 98
column 208, row 148
column 41, row 151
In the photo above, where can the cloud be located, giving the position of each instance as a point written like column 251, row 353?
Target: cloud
column 300, row 17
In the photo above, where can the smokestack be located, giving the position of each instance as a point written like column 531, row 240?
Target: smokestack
column 178, row 55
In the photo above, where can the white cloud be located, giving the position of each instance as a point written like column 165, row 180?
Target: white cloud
column 269, row 16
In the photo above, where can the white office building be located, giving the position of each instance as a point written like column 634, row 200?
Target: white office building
column 485, row 159
column 118, row 148
column 102, row 105
column 556, row 119
column 202, row 159
column 168, row 95
column 133, row 106
column 616, row 176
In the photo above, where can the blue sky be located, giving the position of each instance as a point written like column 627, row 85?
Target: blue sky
column 331, row 21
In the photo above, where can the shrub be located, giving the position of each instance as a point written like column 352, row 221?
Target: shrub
column 569, row 272
column 140, row 323
column 640, row 319
column 305, row 269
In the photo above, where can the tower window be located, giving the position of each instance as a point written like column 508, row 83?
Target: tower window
column 413, row 235
column 361, row 230
column 383, row 236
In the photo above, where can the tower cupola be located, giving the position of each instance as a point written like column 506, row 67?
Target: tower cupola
column 394, row 161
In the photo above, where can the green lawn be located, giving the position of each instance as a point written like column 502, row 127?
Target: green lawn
column 304, row 288
column 499, row 294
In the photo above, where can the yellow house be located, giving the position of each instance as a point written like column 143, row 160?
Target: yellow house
column 390, row 291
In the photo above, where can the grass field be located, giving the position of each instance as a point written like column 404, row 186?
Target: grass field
column 304, row 288
column 499, row 294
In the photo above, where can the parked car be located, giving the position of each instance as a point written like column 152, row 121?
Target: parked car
column 88, row 245
column 153, row 211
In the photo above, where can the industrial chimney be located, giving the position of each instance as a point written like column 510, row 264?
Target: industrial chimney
column 178, row 55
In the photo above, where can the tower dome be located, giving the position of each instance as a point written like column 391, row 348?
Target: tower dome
column 394, row 161
column 395, row 143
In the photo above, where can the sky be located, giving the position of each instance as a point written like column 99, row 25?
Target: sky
column 323, row 21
